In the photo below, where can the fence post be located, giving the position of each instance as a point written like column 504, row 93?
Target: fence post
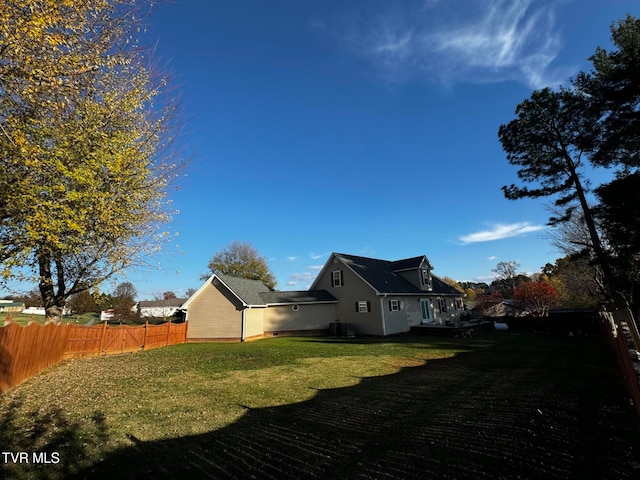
column 146, row 329
column 168, row 333
column 102, row 335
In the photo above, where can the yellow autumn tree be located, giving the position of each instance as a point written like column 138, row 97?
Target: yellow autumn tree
column 85, row 130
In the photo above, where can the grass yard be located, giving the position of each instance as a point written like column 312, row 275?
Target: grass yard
column 24, row 318
column 495, row 407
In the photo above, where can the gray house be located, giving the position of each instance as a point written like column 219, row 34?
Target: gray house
column 377, row 297
column 382, row 297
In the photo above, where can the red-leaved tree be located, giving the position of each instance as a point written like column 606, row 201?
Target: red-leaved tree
column 536, row 296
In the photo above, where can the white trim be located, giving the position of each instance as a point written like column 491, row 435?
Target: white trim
column 384, row 320
column 244, row 325
column 340, row 279
column 199, row 291
column 429, row 318
column 397, row 302
column 300, row 303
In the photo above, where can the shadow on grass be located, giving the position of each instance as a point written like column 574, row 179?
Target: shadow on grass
column 51, row 441
column 483, row 414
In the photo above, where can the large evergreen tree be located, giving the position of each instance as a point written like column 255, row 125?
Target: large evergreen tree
column 552, row 135
column 597, row 119
column 613, row 86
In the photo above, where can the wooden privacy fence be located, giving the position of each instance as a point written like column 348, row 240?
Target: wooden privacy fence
column 25, row 351
column 621, row 330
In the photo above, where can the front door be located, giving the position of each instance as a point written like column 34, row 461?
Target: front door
column 425, row 308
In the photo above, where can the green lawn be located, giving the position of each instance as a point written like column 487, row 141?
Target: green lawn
column 498, row 406
column 24, row 319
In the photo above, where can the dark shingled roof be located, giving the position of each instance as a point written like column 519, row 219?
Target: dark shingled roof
column 247, row 290
column 406, row 264
column 304, row 296
column 168, row 302
column 382, row 276
column 256, row 293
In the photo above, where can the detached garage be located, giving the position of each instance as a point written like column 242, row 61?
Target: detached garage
column 227, row 308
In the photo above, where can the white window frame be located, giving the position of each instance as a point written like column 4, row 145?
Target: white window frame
column 425, row 277
column 426, row 309
column 394, row 305
column 337, row 280
column 363, row 306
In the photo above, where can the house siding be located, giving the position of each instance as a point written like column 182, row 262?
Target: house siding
column 354, row 290
column 253, row 323
column 212, row 315
column 158, row 312
column 451, row 315
column 408, row 316
column 281, row 318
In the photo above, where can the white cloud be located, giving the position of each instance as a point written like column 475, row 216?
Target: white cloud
column 292, row 258
column 500, row 231
column 492, row 41
column 315, row 267
column 296, row 278
column 316, row 256
column 491, row 258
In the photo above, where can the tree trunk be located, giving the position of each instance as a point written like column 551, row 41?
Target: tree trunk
column 601, row 257
column 54, row 314
column 53, row 304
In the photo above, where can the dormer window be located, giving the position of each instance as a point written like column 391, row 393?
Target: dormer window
column 425, row 277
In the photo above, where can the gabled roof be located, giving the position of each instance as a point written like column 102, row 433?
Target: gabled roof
column 168, row 302
column 382, row 275
column 254, row 293
column 410, row 263
column 248, row 291
column 294, row 297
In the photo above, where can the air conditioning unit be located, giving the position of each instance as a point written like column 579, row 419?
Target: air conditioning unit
column 343, row 330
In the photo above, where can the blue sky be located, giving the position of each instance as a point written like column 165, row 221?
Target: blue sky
column 363, row 127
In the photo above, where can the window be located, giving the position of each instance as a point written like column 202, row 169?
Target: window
column 425, row 277
column 363, row 306
column 443, row 305
column 425, row 306
column 458, row 303
column 394, row 305
column 336, row 278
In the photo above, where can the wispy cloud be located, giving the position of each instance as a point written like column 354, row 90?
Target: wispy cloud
column 492, row 41
column 500, row 231
column 297, row 278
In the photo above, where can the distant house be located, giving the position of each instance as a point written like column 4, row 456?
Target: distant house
column 9, row 306
column 165, row 308
column 502, row 308
column 377, row 297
